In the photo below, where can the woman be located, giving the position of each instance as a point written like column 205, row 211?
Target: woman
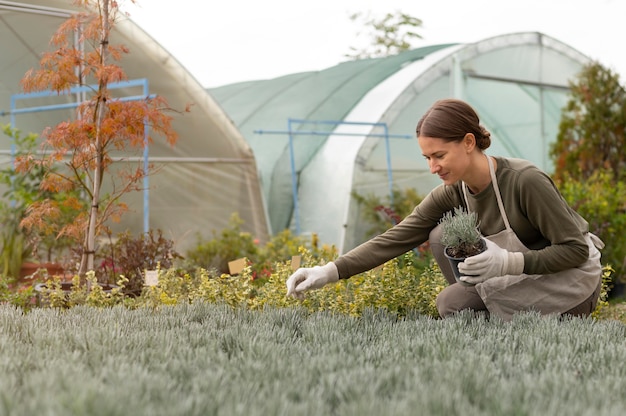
column 540, row 255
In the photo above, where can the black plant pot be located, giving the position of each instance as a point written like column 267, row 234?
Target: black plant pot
column 454, row 262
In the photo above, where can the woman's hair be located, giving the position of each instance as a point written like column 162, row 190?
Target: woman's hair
column 451, row 120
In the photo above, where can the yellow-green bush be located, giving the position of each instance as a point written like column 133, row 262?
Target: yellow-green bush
column 602, row 202
column 400, row 286
column 405, row 285
column 399, row 290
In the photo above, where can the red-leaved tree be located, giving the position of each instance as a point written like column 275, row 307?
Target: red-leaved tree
column 78, row 152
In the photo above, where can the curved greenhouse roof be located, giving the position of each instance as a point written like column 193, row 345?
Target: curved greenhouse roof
column 208, row 175
column 350, row 128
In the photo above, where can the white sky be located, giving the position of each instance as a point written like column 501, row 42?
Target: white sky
column 227, row 41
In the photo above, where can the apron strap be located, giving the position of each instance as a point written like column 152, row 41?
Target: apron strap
column 496, row 189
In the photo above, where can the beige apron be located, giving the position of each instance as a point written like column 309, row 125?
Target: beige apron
column 548, row 294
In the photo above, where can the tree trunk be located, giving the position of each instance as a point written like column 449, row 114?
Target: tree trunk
column 87, row 260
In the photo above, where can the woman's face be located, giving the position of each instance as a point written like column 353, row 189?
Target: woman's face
column 448, row 159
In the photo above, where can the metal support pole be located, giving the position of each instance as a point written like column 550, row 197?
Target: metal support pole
column 389, row 174
column 294, row 179
column 291, row 134
column 146, row 179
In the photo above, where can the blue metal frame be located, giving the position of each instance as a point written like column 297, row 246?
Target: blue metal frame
column 292, row 133
column 143, row 82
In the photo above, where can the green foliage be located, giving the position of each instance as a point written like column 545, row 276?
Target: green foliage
column 20, row 295
column 603, row 301
column 55, row 293
column 232, row 244
column 460, row 233
column 382, row 214
column 199, row 359
column 602, row 202
column 399, row 287
column 21, row 191
column 592, row 132
column 20, row 240
column 388, row 35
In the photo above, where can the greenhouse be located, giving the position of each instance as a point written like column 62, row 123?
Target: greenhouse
column 205, row 177
column 291, row 152
column 318, row 137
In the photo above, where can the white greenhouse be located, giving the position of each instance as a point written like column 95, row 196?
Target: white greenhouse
column 289, row 152
column 320, row 136
column 208, row 175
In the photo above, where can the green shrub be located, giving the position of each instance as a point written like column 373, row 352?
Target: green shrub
column 20, row 294
column 602, row 202
column 399, row 287
column 603, row 301
column 230, row 244
column 55, row 293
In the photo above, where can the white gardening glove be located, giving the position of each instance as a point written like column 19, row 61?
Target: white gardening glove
column 311, row 278
column 494, row 261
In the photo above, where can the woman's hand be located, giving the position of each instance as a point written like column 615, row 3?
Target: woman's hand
column 493, row 262
column 311, row 278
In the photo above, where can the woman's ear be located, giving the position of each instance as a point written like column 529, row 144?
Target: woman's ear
column 469, row 141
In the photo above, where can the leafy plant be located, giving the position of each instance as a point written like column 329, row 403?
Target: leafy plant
column 23, row 191
column 388, row 35
column 229, row 244
column 55, row 293
column 602, row 202
column 132, row 255
column 460, row 234
column 381, row 213
column 591, row 132
column 103, row 124
column 163, row 361
column 232, row 243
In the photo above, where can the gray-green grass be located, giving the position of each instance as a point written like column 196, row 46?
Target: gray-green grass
column 208, row 359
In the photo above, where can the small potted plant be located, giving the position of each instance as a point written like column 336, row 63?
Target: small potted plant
column 461, row 237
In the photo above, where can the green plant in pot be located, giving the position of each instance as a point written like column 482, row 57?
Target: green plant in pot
column 461, row 237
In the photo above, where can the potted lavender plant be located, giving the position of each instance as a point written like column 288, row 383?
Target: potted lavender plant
column 461, row 237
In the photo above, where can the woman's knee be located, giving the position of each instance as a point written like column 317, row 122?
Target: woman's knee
column 458, row 297
column 588, row 306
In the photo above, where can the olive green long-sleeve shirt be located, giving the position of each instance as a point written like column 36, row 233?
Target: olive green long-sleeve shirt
column 537, row 212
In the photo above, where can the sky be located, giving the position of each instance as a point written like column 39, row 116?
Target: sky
column 228, row 41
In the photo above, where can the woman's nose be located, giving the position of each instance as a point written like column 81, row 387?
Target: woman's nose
column 434, row 167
